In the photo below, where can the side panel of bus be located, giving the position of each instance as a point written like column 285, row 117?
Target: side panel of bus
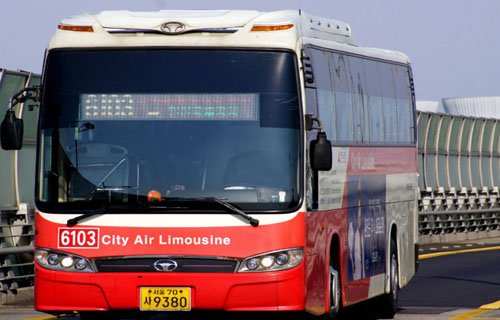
column 368, row 198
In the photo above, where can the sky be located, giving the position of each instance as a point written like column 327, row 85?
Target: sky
column 454, row 45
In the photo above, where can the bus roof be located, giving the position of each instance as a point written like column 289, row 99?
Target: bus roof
column 209, row 28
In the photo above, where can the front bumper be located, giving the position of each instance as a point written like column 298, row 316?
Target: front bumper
column 265, row 291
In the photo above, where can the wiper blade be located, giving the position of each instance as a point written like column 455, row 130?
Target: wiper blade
column 75, row 220
column 107, row 208
column 221, row 202
column 96, row 188
column 183, row 202
column 254, row 222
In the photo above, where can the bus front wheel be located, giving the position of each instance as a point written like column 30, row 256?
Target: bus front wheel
column 389, row 301
column 334, row 289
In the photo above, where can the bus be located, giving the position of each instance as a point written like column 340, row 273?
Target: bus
column 221, row 160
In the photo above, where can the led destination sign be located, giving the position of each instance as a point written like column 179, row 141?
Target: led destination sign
column 236, row 106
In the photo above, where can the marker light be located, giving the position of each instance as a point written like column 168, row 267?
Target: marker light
column 75, row 28
column 272, row 28
column 154, row 195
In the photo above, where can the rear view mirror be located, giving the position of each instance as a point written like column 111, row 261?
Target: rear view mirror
column 321, row 153
column 11, row 131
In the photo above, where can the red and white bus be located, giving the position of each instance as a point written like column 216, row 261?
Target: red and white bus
column 230, row 160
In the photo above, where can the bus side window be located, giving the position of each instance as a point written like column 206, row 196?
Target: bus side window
column 343, row 99
column 389, row 102
column 376, row 126
column 357, row 85
column 324, row 92
column 311, row 191
column 404, row 105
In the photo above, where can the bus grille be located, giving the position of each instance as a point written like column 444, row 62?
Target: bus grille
column 185, row 265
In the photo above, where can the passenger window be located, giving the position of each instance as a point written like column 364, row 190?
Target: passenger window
column 404, row 105
column 343, row 101
column 374, row 112
column 389, row 102
column 357, row 84
column 362, row 101
column 325, row 98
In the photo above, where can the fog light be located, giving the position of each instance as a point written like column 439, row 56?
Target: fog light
column 67, row 262
column 253, row 264
column 267, row 261
column 80, row 264
column 53, row 259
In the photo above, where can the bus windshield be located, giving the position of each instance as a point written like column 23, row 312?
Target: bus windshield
column 137, row 127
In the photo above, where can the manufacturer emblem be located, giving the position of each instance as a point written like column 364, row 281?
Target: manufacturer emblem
column 165, row 265
column 173, row 28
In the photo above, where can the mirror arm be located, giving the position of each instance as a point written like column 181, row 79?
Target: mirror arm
column 31, row 93
column 310, row 120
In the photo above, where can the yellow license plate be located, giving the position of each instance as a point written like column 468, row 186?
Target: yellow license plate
column 165, row 299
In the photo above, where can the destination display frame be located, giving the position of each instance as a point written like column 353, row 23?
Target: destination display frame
column 169, row 106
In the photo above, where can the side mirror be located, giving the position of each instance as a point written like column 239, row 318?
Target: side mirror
column 11, row 131
column 320, row 153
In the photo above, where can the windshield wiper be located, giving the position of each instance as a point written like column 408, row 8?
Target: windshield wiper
column 221, row 202
column 183, row 202
column 105, row 178
column 74, row 221
column 254, row 222
column 119, row 209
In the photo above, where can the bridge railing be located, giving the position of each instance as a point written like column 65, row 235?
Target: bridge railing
column 17, row 176
column 459, row 177
column 16, row 249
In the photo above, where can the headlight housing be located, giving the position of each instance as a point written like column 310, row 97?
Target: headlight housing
column 273, row 261
column 62, row 261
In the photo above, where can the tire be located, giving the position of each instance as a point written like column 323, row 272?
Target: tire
column 335, row 292
column 389, row 302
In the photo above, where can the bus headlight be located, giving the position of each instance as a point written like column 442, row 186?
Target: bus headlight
column 62, row 261
column 81, row 264
column 282, row 259
column 53, row 259
column 273, row 261
column 67, row 262
column 252, row 264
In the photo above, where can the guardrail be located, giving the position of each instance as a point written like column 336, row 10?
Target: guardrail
column 453, row 216
column 16, row 249
column 17, row 185
column 459, row 177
